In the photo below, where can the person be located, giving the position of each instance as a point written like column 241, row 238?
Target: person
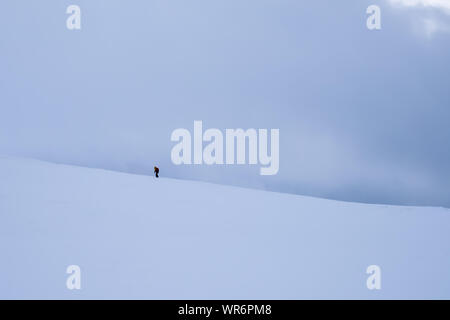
column 156, row 171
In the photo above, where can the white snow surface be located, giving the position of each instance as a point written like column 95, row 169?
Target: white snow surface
column 138, row 237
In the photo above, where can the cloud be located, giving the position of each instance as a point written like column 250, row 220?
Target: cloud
column 433, row 25
column 443, row 5
column 436, row 17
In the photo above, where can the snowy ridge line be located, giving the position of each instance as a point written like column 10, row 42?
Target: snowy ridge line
column 76, row 166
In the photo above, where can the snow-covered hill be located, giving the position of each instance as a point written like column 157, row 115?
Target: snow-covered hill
column 141, row 237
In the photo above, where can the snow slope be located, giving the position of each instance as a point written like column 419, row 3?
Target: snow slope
column 138, row 237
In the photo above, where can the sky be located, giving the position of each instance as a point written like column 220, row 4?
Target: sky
column 364, row 115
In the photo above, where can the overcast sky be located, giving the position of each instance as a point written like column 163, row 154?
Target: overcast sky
column 363, row 115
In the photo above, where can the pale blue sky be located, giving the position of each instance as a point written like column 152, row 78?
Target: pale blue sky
column 363, row 115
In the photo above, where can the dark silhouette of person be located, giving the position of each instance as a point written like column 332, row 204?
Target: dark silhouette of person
column 156, row 171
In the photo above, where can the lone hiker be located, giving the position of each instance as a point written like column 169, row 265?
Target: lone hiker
column 156, row 171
